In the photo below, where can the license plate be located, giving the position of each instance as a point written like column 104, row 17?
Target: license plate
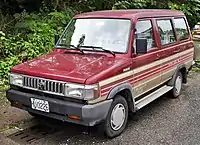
column 40, row 105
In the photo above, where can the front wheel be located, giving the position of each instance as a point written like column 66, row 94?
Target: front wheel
column 116, row 119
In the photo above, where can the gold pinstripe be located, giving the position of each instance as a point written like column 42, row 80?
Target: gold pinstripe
column 150, row 82
column 167, row 76
column 142, row 68
column 148, row 66
column 115, row 78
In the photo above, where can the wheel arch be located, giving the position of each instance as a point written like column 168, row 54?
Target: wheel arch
column 125, row 90
column 180, row 68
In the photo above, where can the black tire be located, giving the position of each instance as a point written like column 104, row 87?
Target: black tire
column 107, row 127
column 174, row 93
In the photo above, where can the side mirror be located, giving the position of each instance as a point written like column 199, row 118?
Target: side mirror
column 141, row 45
column 56, row 38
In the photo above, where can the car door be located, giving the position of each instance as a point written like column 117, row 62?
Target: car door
column 186, row 50
column 147, row 74
column 169, row 48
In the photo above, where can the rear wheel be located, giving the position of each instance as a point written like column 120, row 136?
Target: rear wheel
column 116, row 120
column 178, row 83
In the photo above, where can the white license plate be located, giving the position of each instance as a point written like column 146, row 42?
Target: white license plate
column 40, row 105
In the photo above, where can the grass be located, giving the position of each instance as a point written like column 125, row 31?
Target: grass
column 196, row 66
column 196, row 69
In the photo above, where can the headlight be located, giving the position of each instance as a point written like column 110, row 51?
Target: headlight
column 85, row 92
column 16, row 79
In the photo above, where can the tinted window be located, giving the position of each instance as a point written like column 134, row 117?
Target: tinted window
column 181, row 28
column 144, row 30
column 166, row 31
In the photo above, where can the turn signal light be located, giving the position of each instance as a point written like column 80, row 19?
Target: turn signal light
column 74, row 117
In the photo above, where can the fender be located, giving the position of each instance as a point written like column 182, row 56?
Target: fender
column 179, row 67
column 129, row 98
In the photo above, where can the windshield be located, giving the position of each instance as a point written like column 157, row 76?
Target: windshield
column 110, row 34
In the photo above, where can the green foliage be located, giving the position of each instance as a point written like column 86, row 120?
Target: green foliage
column 128, row 4
column 191, row 8
column 5, row 66
column 27, row 27
column 32, row 35
column 196, row 66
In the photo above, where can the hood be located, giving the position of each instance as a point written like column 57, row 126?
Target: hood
column 69, row 67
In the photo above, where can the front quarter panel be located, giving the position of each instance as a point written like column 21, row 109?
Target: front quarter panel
column 120, row 88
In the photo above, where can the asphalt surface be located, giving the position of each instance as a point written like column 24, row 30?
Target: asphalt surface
column 164, row 121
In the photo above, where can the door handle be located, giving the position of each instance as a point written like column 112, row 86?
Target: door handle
column 176, row 51
column 157, row 56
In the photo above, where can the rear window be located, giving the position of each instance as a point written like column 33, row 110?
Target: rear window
column 166, row 31
column 181, row 28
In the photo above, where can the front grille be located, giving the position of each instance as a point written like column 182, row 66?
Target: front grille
column 43, row 85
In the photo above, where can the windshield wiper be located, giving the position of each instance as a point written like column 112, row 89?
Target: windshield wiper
column 73, row 46
column 81, row 40
column 96, row 47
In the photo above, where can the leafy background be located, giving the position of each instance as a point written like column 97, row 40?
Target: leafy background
column 27, row 27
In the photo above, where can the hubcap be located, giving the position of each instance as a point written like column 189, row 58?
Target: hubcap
column 178, row 84
column 117, row 116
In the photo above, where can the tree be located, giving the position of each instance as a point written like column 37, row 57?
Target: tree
column 191, row 8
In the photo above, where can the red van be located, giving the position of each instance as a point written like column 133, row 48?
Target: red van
column 105, row 65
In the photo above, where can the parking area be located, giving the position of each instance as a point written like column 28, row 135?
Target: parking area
column 164, row 121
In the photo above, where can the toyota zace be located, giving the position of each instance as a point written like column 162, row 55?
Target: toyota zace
column 105, row 65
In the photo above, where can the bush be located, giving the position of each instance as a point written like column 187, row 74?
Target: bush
column 31, row 36
column 191, row 8
column 27, row 27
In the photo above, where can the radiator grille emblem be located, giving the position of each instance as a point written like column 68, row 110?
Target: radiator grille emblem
column 41, row 85
column 46, row 85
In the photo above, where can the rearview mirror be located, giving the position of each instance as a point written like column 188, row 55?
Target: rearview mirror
column 141, row 45
column 56, row 38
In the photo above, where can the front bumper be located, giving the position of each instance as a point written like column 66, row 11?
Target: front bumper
column 59, row 109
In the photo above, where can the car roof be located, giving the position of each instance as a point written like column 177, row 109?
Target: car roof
column 130, row 13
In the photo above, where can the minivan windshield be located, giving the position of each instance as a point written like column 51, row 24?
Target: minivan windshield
column 109, row 34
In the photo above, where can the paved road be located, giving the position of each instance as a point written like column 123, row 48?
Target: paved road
column 164, row 121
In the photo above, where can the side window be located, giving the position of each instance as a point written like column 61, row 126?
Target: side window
column 144, row 29
column 181, row 28
column 166, row 31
